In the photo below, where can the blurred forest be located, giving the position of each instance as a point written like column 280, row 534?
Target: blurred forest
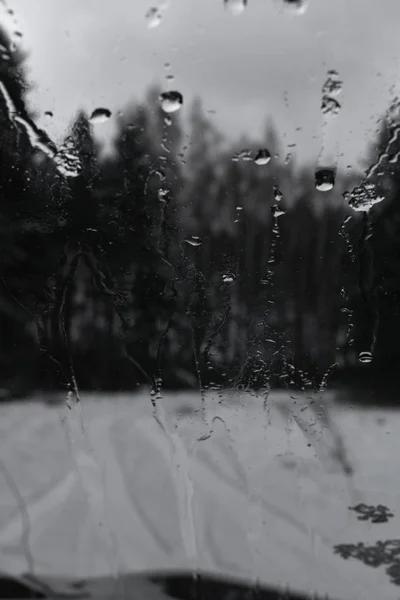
column 180, row 262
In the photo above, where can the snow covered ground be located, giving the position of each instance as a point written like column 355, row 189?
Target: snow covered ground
column 223, row 485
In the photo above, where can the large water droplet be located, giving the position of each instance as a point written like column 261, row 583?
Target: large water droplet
column 263, row 157
column 235, row 7
column 100, row 115
column 171, row 101
column 365, row 357
column 324, row 179
column 153, row 17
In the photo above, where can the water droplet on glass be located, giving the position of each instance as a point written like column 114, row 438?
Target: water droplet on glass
column 365, row 357
column 171, row 101
column 67, row 161
column 242, row 155
column 153, row 17
column 228, row 277
column 363, row 197
column 168, row 121
column 162, row 193
column 193, row 241
column 170, row 77
column 333, row 85
column 235, row 7
column 297, row 7
column 100, row 115
column 262, row 157
column 324, row 179
column 277, row 211
column 330, row 106
column 48, row 114
column 278, row 196
column 288, row 157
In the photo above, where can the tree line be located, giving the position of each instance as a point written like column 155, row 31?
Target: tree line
column 181, row 260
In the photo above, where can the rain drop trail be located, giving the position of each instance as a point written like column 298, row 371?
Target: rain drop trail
column 88, row 469
column 65, row 158
column 368, row 292
column 344, row 292
column 392, row 119
column 180, row 458
column 330, row 108
column 25, row 518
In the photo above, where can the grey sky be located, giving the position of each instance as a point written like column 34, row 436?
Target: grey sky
column 90, row 53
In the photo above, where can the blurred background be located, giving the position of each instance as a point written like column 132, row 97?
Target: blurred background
column 158, row 244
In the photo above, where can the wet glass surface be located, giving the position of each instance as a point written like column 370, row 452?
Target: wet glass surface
column 199, row 299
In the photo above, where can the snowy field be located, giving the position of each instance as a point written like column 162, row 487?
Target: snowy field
column 224, row 485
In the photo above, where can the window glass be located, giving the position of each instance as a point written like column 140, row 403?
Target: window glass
column 199, row 298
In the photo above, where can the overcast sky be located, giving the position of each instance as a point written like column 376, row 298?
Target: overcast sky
column 264, row 62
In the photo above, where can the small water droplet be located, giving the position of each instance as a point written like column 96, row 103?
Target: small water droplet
column 277, row 211
column 330, row 106
column 162, row 193
column 228, row 277
column 244, row 155
column 333, row 85
column 324, row 179
column 170, row 77
column 297, row 7
column 278, row 196
column 194, row 241
column 235, row 7
column 168, row 121
column 263, row 157
column 100, row 115
column 171, row 101
column 48, row 114
column 153, row 17
column 365, row 357
column 288, row 157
